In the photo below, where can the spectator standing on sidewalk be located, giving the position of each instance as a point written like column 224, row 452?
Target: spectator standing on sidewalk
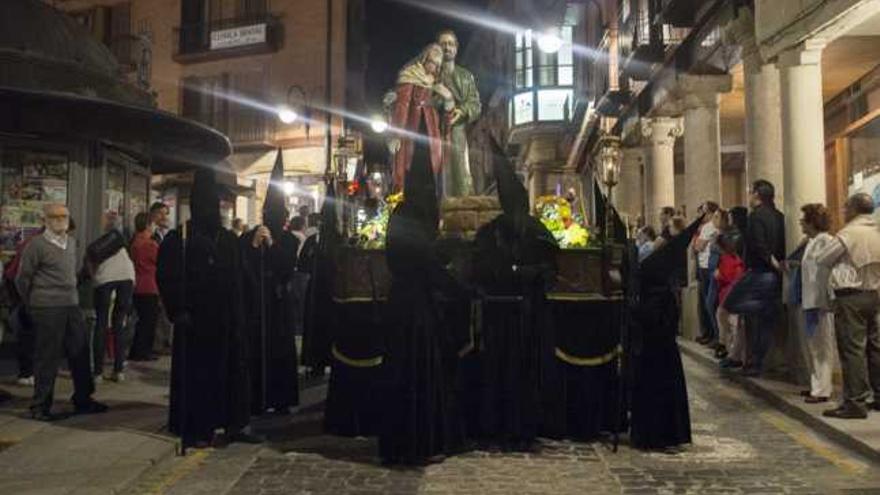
column 702, row 246
column 144, row 255
column 159, row 221
column 298, row 229
column 815, row 301
column 854, row 255
column 666, row 215
column 47, row 284
column 18, row 320
column 758, row 295
column 730, row 331
column 159, row 225
column 113, row 279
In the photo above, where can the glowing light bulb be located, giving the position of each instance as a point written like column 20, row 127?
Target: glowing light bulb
column 289, row 188
column 379, row 125
column 549, row 42
column 287, row 115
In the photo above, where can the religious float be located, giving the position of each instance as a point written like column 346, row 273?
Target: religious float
column 585, row 308
column 585, row 300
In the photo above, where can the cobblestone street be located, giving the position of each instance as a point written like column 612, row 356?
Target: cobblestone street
column 740, row 446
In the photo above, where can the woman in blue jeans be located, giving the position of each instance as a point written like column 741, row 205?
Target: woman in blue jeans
column 113, row 276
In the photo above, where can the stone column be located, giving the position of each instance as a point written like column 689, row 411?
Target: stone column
column 803, row 132
column 763, row 108
column 660, row 134
column 700, row 96
column 629, row 194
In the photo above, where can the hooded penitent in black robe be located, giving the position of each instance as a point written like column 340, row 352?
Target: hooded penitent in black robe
column 420, row 420
column 515, row 262
column 202, row 294
column 317, row 258
column 659, row 414
column 272, row 267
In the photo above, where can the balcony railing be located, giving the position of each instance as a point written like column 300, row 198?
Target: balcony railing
column 679, row 13
column 258, row 33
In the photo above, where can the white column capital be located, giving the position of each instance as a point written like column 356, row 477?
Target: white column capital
column 662, row 131
column 808, row 52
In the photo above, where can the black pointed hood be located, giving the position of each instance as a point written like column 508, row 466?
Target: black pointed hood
column 512, row 195
column 205, row 201
column 275, row 206
column 420, row 197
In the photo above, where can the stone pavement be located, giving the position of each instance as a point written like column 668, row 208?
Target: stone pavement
column 862, row 436
column 742, row 445
column 101, row 453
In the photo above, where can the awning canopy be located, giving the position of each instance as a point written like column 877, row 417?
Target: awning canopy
column 165, row 142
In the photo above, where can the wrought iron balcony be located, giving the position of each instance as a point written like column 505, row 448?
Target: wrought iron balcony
column 679, row 13
column 641, row 43
column 212, row 39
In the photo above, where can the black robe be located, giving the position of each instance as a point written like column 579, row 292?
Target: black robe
column 209, row 369
column 659, row 413
column 421, row 417
column 278, row 264
column 513, row 267
column 317, row 260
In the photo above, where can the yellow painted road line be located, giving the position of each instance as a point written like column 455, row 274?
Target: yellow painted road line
column 796, row 432
column 186, row 466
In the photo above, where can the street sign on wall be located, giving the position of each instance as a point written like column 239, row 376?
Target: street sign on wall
column 238, row 36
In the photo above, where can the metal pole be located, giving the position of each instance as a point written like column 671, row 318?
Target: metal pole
column 263, row 337
column 328, row 91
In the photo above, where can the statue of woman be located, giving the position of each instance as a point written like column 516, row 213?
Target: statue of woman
column 414, row 114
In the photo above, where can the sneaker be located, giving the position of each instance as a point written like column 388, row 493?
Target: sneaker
column 25, row 381
column 846, row 411
column 815, row 400
column 117, row 377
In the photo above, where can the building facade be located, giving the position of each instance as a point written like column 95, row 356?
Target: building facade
column 74, row 131
column 232, row 64
column 706, row 97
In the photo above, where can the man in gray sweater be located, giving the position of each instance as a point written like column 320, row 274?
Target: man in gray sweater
column 47, row 284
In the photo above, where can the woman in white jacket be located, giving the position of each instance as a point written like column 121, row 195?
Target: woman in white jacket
column 816, row 304
column 113, row 280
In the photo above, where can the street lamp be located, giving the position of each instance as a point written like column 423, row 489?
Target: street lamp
column 610, row 157
column 287, row 115
column 378, row 124
column 295, row 108
column 289, row 188
column 549, row 41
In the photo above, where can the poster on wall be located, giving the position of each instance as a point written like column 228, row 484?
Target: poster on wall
column 30, row 180
column 867, row 182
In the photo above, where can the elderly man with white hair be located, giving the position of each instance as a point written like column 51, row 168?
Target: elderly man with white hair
column 47, row 283
column 855, row 256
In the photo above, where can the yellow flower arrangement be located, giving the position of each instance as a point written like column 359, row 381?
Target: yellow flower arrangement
column 556, row 214
column 372, row 234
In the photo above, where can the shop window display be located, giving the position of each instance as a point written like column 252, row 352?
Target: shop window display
column 29, row 180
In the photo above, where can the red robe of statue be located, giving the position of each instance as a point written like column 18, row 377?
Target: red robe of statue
column 413, row 104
